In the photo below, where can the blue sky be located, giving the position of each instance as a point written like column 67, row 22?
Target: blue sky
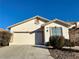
column 13, row 11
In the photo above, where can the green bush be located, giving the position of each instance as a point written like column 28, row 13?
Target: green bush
column 57, row 41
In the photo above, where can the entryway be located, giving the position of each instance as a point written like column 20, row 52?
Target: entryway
column 39, row 37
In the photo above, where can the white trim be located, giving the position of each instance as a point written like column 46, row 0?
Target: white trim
column 58, row 21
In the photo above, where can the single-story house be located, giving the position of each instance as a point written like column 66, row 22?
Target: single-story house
column 37, row 30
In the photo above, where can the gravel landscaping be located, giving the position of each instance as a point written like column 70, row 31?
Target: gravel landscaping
column 64, row 53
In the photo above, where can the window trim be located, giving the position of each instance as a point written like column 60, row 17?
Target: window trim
column 56, row 27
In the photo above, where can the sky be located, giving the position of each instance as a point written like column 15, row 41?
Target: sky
column 13, row 11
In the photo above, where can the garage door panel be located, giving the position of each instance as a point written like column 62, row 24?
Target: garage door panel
column 23, row 38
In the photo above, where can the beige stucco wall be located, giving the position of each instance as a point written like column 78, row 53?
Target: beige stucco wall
column 27, row 26
column 25, row 38
column 47, row 34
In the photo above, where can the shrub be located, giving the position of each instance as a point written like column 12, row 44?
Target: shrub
column 72, row 44
column 77, row 42
column 69, row 43
column 61, row 41
column 5, row 37
column 57, row 41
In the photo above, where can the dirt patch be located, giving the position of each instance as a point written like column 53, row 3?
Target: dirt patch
column 64, row 53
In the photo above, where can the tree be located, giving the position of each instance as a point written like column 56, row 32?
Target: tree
column 5, row 37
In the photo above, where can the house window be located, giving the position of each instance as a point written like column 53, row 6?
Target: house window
column 56, row 31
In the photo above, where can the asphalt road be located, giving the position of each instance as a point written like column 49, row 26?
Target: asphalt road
column 24, row 52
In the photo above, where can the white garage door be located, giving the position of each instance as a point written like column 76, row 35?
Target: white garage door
column 24, row 38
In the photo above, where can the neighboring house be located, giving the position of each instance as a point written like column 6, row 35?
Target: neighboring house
column 74, row 33
column 37, row 30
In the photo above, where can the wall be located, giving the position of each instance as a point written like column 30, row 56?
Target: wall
column 27, row 26
column 25, row 38
column 47, row 34
column 74, row 34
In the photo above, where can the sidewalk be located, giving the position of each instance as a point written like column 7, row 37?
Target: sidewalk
column 50, row 47
column 75, row 48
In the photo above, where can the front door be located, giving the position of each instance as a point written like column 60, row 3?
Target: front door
column 39, row 37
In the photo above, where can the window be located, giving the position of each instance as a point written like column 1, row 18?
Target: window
column 56, row 31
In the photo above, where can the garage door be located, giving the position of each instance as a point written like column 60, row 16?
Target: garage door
column 23, row 38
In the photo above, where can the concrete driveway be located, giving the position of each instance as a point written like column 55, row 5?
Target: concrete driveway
column 24, row 52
